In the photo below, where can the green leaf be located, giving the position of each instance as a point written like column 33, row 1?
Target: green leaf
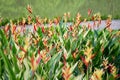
column 52, row 63
column 68, row 44
column 4, row 39
column 14, row 59
column 73, row 67
column 8, row 66
column 40, row 32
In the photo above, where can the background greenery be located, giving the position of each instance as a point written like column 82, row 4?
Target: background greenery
column 52, row 8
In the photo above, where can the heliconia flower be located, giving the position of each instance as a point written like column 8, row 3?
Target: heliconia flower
column 85, row 20
column 29, row 19
column 74, row 53
column 16, row 36
column 105, row 63
column 70, row 27
column 84, row 61
column 47, row 59
column 93, row 18
column 35, row 27
column 65, row 35
column 44, row 56
column 88, row 51
column 56, row 21
column 25, row 47
column 78, row 16
column 97, row 75
column 50, row 22
column 68, row 14
column 23, row 22
column 20, row 56
column 38, row 21
column 58, row 46
column 27, row 43
column 43, row 29
column 45, row 40
column 50, row 33
column 113, row 70
column 89, row 12
column 65, row 17
column 45, row 20
column 73, row 34
column 19, row 29
column 108, row 23
column 66, row 72
column 33, row 63
column 35, row 41
column 88, row 56
column 65, row 56
column 21, row 48
column 29, row 9
column 89, row 26
column 7, row 27
column 13, row 28
column 65, row 14
column 102, row 49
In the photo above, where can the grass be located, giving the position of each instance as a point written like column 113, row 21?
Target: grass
column 53, row 8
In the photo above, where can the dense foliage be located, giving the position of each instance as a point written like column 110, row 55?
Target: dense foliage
column 59, row 52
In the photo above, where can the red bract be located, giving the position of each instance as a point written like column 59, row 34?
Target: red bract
column 89, row 26
column 21, row 48
column 14, row 28
column 89, row 12
column 108, row 23
column 84, row 61
column 32, row 63
column 66, row 72
column 35, row 27
column 71, row 28
column 38, row 21
column 93, row 18
column 7, row 27
column 38, row 60
column 74, row 53
column 29, row 19
column 43, row 29
column 20, row 59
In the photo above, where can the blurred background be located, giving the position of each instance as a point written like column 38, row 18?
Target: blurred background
column 53, row 8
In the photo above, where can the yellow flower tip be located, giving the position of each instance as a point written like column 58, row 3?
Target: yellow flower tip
column 88, row 51
column 85, row 20
column 65, row 14
column 97, row 75
column 26, row 43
